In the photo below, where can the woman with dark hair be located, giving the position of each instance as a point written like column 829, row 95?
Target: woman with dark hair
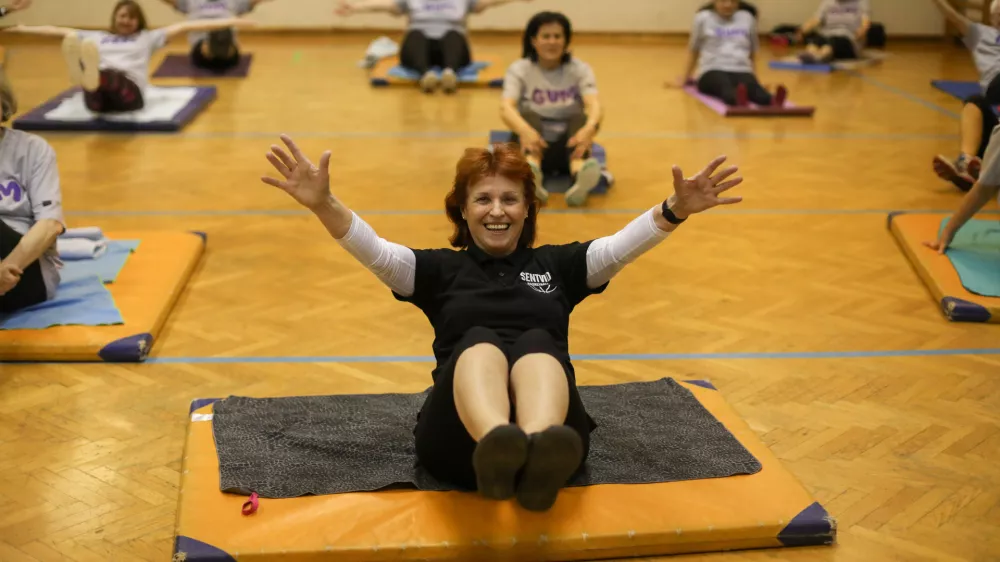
column 503, row 416
column 550, row 102
column 435, row 34
column 723, row 48
column 112, row 66
column 31, row 216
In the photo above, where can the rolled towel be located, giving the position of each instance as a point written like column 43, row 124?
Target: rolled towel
column 87, row 232
column 80, row 248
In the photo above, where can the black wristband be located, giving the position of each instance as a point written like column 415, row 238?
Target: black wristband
column 669, row 215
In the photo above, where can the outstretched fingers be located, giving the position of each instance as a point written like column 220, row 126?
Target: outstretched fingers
column 717, row 178
column 712, row 166
column 294, row 148
column 279, row 165
column 727, row 185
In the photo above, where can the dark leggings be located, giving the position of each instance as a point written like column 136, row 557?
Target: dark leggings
column 443, row 446
column 117, row 93
column 556, row 158
column 223, row 49
column 31, row 289
column 987, row 105
column 421, row 54
column 843, row 48
column 722, row 85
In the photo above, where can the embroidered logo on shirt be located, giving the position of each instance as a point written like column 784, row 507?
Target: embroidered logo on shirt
column 540, row 283
column 12, row 190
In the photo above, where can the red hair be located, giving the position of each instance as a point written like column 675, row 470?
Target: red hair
column 503, row 160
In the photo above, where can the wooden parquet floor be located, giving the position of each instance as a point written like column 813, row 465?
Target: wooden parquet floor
column 848, row 375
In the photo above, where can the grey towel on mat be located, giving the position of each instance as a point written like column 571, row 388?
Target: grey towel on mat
column 313, row 445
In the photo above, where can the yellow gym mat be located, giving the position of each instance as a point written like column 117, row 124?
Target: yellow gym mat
column 144, row 292
column 767, row 509
column 938, row 272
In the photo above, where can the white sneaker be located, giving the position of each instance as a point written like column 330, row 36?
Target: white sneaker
column 71, row 54
column 429, row 81
column 540, row 192
column 449, row 81
column 90, row 57
column 586, row 180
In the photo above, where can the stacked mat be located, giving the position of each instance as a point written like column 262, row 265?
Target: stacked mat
column 672, row 469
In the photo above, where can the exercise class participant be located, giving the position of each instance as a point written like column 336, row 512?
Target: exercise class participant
column 838, row 31
column 723, row 48
column 503, row 416
column 978, row 117
column 31, row 216
column 550, row 102
column 436, row 34
column 214, row 50
column 112, row 66
column 982, row 191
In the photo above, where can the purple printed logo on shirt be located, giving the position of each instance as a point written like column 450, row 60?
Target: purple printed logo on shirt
column 541, row 97
column 12, row 190
column 438, row 6
column 729, row 32
column 118, row 39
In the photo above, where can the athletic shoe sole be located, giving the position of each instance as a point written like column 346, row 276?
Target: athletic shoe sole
column 946, row 170
column 553, row 457
column 91, row 59
column 497, row 459
column 71, row 54
column 586, row 180
column 449, row 81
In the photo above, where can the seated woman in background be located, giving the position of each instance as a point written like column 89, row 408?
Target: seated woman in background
column 723, row 48
column 214, row 50
column 112, row 66
column 837, row 32
column 31, row 215
column 550, row 103
column 435, row 34
column 978, row 117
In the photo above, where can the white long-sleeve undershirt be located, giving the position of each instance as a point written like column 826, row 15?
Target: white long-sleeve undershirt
column 395, row 265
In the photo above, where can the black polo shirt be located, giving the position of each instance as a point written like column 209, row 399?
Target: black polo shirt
column 532, row 288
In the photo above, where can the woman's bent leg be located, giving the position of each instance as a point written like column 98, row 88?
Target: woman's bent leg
column 30, row 290
column 718, row 84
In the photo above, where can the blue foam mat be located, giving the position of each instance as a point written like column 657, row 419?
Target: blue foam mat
column 465, row 74
column 801, row 67
column 107, row 267
column 83, row 301
column 958, row 89
column 975, row 253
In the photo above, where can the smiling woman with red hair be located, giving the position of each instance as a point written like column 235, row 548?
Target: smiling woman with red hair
column 504, row 416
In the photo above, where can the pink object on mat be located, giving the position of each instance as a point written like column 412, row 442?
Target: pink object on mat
column 250, row 506
column 718, row 106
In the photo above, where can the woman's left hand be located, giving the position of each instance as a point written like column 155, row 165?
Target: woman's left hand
column 701, row 192
column 10, row 276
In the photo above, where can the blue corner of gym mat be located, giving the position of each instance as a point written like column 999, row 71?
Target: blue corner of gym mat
column 813, row 526
column 960, row 310
column 201, row 234
column 190, row 550
column 801, row 67
column 133, row 349
column 703, row 384
column 201, row 403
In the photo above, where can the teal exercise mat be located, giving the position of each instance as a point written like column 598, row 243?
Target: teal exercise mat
column 975, row 253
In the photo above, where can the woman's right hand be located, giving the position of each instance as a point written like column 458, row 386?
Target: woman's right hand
column 306, row 183
column 941, row 244
column 532, row 142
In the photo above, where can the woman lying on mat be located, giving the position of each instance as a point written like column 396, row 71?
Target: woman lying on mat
column 435, row 34
column 978, row 117
column 503, row 416
column 837, row 32
column 724, row 45
column 214, row 50
column 30, row 214
column 983, row 190
column 15, row 6
column 550, row 103
column 113, row 66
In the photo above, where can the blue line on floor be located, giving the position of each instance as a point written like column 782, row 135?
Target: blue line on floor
column 420, row 212
column 600, row 357
column 905, row 94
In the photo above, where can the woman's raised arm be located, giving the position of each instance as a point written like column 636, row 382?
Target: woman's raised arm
column 309, row 185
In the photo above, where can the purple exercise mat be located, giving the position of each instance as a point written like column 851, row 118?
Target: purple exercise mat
column 180, row 66
column 718, row 106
